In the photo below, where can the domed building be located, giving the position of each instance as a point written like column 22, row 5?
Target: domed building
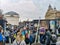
column 12, row 17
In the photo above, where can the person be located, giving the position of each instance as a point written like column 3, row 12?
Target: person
column 59, row 30
column 7, row 33
column 34, row 32
column 31, row 38
column 19, row 40
column 42, row 35
column 13, row 34
column 47, row 37
column 1, row 37
column 27, row 36
column 53, row 39
column 23, row 32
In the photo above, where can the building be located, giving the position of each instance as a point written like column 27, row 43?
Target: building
column 52, row 14
column 12, row 17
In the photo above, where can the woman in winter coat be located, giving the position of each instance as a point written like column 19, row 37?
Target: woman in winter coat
column 19, row 40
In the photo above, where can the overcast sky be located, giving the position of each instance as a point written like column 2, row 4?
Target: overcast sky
column 32, row 9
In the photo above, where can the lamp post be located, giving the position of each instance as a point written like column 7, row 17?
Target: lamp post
column 38, row 26
column 38, row 29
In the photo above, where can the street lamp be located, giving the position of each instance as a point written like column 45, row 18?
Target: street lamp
column 38, row 26
column 38, row 29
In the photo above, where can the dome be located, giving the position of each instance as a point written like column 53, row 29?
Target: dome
column 11, row 13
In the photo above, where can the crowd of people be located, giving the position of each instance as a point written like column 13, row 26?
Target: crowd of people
column 24, row 36
column 47, row 37
column 18, row 36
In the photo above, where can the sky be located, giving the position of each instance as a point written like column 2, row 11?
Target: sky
column 28, row 9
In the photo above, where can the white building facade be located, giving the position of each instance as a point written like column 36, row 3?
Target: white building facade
column 13, row 20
